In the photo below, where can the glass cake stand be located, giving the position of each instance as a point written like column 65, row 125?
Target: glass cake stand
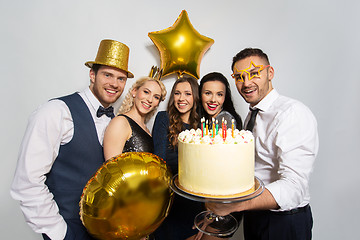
column 208, row 222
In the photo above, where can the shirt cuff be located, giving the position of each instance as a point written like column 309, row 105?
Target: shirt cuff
column 57, row 232
column 281, row 199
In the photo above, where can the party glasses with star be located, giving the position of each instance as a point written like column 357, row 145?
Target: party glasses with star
column 250, row 72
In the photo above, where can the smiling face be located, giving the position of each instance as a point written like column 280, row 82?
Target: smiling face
column 255, row 89
column 108, row 84
column 213, row 97
column 183, row 100
column 147, row 97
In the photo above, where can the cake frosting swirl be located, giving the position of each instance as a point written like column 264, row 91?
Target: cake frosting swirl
column 232, row 137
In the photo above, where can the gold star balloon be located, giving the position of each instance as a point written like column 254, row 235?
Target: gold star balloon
column 181, row 47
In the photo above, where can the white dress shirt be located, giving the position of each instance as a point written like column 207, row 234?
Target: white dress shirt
column 286, row 145
column 49, row 126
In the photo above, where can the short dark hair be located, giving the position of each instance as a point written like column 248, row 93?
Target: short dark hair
column 228, row 104
column 96, row 67
column 249, row 52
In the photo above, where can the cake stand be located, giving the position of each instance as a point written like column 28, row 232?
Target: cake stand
column 208, row 222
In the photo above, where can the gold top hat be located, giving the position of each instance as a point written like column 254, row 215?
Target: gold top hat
column 114, row 54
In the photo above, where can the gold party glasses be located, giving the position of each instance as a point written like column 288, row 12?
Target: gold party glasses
column 251, row 73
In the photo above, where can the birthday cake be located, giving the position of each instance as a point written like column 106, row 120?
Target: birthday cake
column 219, row 165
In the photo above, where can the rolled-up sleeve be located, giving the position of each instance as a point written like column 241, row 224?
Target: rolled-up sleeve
column 296, row 143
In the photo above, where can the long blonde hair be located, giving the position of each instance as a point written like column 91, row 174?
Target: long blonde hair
column 128, row 101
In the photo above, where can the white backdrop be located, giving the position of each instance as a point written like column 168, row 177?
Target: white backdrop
column 312, row 44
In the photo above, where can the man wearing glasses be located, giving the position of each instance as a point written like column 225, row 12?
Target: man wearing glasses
column 286, row 145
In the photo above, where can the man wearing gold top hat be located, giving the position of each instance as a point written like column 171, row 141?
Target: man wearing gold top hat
column 62, row 147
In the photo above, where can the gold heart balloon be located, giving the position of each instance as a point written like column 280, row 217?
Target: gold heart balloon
column 181, row 47
column 127, row 198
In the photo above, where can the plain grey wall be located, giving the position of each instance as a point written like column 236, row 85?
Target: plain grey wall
column 312, row 44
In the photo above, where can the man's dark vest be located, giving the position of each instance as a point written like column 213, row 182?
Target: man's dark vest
column 77, row 161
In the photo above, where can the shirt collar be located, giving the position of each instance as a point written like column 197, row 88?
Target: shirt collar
column 94, row 102
column 267, row 101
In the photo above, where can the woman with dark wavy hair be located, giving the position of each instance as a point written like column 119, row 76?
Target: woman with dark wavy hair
column 181, row 114
column 216, row 100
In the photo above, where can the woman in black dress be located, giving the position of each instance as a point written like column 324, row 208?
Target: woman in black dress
column 128, row 132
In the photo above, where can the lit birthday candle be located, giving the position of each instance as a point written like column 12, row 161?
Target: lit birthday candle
column 225, row 132
column 223, row 128
column 202, row 127
column 232, row 128
column 213, row 127
column 207, row 127
column 217, row 127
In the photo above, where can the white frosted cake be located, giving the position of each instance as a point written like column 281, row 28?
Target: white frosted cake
column 216, row 166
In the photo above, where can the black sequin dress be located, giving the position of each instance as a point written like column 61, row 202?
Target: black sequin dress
column 140, row 140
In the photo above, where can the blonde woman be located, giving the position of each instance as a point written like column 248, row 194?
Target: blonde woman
column 128, row 132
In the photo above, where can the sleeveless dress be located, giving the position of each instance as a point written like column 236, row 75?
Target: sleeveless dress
column 140, row 140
